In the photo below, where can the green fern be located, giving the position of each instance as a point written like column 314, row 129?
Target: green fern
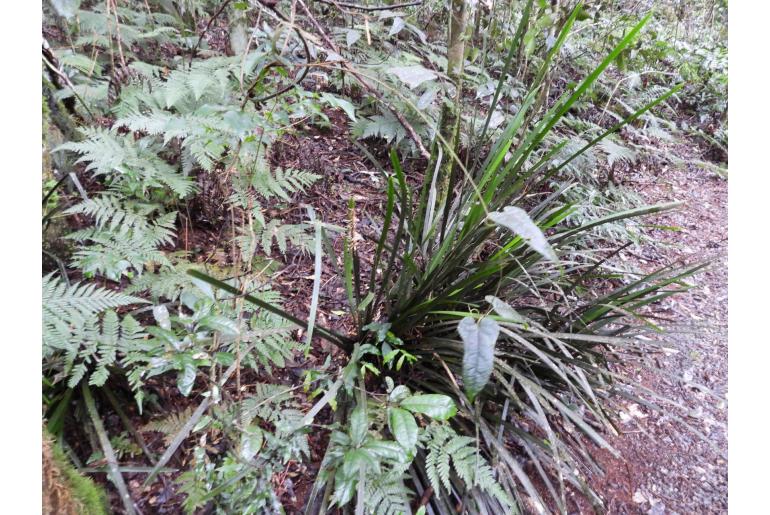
column 263, row 402
column 90, row 346
column 617, row 153
column 255, row 183
column 167, row 283
column 446, row 446
column 384, row 126
column 387, row 494
column 132, row 166
column 170, row 425
column 122, row 238
column 65, row 306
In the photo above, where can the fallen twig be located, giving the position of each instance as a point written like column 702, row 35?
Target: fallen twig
column 190, row 424
column 128, row 425
column 109, row 453
column 368, row 8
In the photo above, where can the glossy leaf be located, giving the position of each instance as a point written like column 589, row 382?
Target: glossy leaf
column 413, row 76
column 478, row 353
column 518, row 221
column 251, row 442
column 359, row 425
column 503, row 309
column 403, row 426
column 434, row 405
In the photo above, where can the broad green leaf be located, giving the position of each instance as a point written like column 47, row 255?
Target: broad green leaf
column 398, row 393
column 221, row 324
column 201, row 424
column 352, row 36
column 386, row 450
column 518, row 221
column 161, row 317
column 503, row 309
column 478, row 353
column 251, row 442
column 341, row 103
column 358, row 459
column 434, row 405
column 403, row 427
column 413, row 76
column 359, row 425
column 166, row 336
column 186, row 379
column 344, row 487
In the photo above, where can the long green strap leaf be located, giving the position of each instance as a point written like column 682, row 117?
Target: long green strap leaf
column 337, row 339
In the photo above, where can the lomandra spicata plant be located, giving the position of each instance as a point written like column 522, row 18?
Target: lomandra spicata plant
column 491, row 292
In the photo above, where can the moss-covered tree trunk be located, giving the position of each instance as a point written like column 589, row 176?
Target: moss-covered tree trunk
column 449, row 126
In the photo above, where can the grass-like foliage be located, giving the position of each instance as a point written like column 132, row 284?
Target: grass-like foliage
column 486, row 291
column 485, row 321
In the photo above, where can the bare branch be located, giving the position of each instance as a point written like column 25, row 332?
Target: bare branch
column 366, row 8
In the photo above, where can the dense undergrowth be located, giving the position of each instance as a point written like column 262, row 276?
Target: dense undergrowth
column 474, row 367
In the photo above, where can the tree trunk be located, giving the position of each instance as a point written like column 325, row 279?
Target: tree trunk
column 449, row 126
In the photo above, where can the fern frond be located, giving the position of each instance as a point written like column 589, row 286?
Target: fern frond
column 445, row 446
column 170, row 425
column 387, row 494
column 64, row 305
column 125, row 159
column 616, row 152
column 262, row 404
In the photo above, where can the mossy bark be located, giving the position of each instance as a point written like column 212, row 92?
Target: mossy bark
column 449, row 125
column 65, row 491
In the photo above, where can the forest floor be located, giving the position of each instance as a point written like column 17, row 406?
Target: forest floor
column 663, row 468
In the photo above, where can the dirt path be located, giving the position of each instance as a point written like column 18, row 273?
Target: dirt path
column 670, row 470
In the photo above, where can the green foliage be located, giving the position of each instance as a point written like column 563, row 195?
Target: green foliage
column 132, row 166
column 69, row 310
column 445, row 446
column 241, row 480
column 479, row 318
column 205, row 332
column 444, row 260
column 170, row 425
column 123, row 238
column 100, row 346
column 478, row 353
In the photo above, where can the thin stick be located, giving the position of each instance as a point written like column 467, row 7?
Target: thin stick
column 128, row 425
column 109, row 453
column 190, row 424
column 69, row 84
column 369, row 9
column 206, row 28
column 117, row 32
